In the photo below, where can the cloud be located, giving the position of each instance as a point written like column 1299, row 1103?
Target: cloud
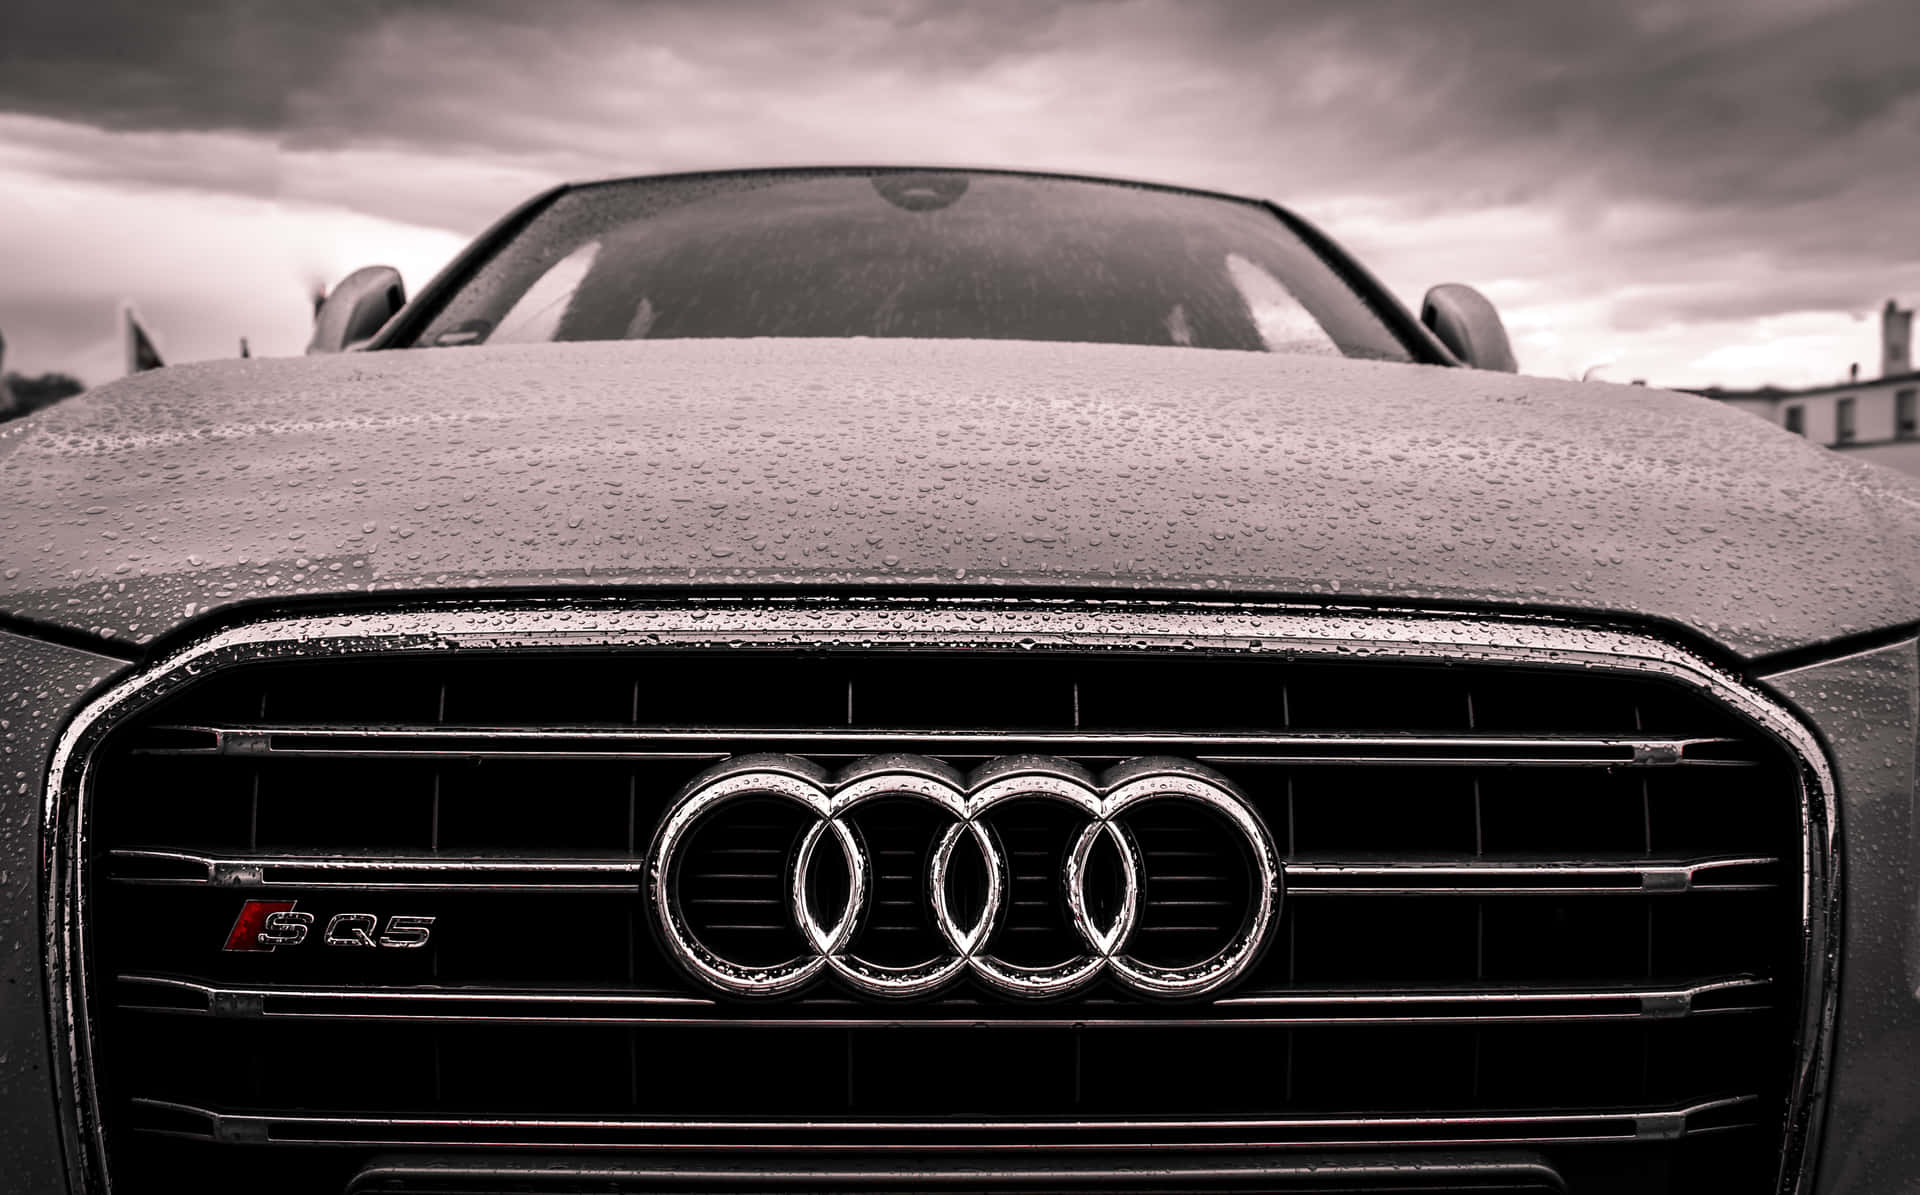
column 204, row 269
column 1619, row 170
column 1781, row 346
column 122, row 64
column 1727, row 102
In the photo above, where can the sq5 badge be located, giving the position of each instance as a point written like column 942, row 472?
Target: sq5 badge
column 264, row 925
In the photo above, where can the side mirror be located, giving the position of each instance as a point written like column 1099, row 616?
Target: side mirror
column 1466, row 323
column 360, row 306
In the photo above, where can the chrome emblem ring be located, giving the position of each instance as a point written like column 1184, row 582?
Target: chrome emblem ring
column 830, row 940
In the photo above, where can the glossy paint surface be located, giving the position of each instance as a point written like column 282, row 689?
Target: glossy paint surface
column 1868, row 707
column 40, row 685
column 938, row 466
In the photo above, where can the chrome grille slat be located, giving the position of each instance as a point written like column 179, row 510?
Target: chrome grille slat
column 1662, row 1123
column 1522, row 1175
column 1491, row 877
column 1316, row 877
column 699, row 744
column 1462, row 1006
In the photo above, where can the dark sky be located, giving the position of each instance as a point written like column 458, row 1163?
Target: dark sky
column 1715, row 190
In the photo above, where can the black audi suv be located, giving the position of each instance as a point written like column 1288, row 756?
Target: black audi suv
column 903, row 679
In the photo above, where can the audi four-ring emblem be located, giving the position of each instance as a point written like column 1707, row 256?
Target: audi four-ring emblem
column 828, row 845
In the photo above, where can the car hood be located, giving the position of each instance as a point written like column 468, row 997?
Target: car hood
column 939, row 465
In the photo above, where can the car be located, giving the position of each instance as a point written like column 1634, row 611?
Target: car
column 923, row 678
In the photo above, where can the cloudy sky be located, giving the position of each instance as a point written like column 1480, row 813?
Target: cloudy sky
column 1691, row 191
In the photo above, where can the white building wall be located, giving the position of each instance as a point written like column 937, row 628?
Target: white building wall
column 1875, row 411
column 1823, row 419
column 1874, row 423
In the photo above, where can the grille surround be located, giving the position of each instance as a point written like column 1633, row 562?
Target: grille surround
column 879, row 624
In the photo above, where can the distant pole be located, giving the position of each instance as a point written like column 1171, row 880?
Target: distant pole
column 8, row 404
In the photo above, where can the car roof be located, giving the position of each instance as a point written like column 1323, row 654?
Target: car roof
column 919, row 168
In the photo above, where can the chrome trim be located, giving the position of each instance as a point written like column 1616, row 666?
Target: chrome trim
column 1649, row 1124
column 834, row 948
column 1297, row 1007
column 630, row 742
column 1314, row 876
column 1494, row 877
column 893, row 623
column 1522, row 1172
column 1653, row 1003
column 389, row 873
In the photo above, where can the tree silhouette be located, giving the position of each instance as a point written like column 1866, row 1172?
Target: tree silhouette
column 30, row 394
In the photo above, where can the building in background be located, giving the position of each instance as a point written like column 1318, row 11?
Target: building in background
column 1858, row 412
column 1896, row 340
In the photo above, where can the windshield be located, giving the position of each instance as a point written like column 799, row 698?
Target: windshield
column 910, row 254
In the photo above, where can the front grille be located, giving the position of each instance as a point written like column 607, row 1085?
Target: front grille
column 1544, row 919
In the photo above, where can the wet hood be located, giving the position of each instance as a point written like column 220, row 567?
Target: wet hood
column 931, row 465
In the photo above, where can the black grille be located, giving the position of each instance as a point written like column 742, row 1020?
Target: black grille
column 1543, row 920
